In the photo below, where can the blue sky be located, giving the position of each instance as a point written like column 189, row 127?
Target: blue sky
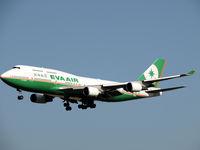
column 113, row 40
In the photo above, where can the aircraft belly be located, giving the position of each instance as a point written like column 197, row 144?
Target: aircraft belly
column 125, row 97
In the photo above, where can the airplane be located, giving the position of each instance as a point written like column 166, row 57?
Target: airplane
column 46, row 84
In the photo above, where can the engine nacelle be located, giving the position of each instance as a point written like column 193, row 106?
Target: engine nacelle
column 133, row 87
column 91, row 91
column 42, row 99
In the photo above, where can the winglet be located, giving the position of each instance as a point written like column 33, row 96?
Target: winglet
column 191, row 72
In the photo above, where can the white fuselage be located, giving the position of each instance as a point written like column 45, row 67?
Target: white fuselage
column 52, row 75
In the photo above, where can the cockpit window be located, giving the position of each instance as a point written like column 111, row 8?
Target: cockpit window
column 16, row 67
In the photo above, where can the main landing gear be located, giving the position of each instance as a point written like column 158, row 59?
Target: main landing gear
column 87, row 104
column 20, row 96
column 67, row 106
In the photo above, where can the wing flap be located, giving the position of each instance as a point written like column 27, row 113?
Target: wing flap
column 68, row 88
column 114, row 86
column 72, row 89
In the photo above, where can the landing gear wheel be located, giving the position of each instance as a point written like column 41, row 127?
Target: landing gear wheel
column 66, row 105
column 84, row 107
column 93, row 106
column 80, row 106
column 68, row 108
column 20, row 97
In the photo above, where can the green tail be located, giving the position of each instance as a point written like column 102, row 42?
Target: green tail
column 154, row 71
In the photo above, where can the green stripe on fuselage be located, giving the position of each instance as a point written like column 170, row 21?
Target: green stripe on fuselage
column 35, row 86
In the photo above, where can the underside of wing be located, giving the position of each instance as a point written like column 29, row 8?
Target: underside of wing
column 95, row 91
column 114, row 86
column 163, row 90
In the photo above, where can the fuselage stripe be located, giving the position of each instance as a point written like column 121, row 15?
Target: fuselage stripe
column 40, row 81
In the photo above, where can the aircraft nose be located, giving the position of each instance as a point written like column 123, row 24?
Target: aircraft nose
column 3, row 75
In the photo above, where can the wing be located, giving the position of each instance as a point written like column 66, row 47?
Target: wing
column 170, row 77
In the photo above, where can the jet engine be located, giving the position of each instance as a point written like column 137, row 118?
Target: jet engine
column 133, row 87
column 42, row 99
column 91, row 91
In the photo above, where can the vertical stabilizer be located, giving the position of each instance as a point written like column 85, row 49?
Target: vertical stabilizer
column 154, row 71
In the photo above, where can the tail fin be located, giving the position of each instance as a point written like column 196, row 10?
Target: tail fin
column 154, row 71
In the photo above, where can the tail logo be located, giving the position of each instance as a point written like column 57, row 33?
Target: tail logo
column 151, row 72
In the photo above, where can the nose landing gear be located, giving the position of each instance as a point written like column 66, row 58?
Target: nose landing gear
column 20, row 96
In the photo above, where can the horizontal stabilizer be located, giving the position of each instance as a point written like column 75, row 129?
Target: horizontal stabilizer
column 163, row 90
